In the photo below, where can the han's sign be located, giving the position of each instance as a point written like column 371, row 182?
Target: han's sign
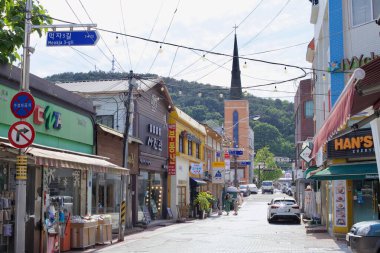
column 355, row 144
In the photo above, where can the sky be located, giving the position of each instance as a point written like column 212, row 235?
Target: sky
column 271, row 30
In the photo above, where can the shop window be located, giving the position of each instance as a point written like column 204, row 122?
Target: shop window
column 364, row 11
column 309, row 109
column 189, row 147
column 105, row 193
column 197, row 151
column 64, row 184
column 181, row 144
column 150, row 196
column 106, row 120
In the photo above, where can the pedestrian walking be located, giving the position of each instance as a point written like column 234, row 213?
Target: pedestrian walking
column 227, row 203
column 236, row 206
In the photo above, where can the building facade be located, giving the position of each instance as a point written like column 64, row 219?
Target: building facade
column 186, row 140
column 345, row 39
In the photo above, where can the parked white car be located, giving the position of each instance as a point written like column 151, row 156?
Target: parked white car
column 283, row 208
column 253, row 188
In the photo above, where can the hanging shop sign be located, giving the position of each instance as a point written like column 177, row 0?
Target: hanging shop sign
column 48, row 117
column 218, row 169
column 22, row 105
column 172, row 149
column 196, row 168
column 355, row 144
column 21, row 134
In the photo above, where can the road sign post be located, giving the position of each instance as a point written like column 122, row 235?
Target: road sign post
column 72, row 38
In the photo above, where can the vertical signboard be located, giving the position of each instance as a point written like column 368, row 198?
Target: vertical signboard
column 171, row 149
column 340, row 203
column 218, row 172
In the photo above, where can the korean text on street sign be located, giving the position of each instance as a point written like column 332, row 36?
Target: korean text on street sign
column 72, row 38
column 305, row 154
column 244, row 163
column 21, row 134
column 236, row 152
column 22, row 105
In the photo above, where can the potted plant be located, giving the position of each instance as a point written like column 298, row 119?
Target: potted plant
column 203, row 203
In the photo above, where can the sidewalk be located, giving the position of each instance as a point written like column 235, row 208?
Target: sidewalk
column 128, row 232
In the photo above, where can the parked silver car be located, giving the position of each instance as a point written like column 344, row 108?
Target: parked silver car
column 253, row 188
column 244, row 190
column 364, row 237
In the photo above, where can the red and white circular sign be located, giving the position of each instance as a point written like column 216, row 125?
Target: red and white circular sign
column 21, row 134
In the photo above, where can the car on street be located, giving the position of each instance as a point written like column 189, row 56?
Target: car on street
column 253, row 188
column 244, row 190
column 284, row 208
column 364, row 237
column 267, row 186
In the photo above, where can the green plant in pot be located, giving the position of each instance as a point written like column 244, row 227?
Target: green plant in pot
column 202, row 201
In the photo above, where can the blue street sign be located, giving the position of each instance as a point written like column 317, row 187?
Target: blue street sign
column 72, row 38
column 22, row 105
column 245, row 163
column 235, row 152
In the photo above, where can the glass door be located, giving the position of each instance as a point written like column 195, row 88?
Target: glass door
column 365, row 200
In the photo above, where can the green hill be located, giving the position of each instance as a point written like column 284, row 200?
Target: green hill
column 204, row 103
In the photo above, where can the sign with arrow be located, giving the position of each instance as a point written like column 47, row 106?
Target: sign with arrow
column 305, row 154
column 21, row 134
column 72, row 38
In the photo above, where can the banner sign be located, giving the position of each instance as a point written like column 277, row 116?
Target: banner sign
column 196, row 168
column 218, row 169
column 340, row 203
column 355, row 144
column 172, row 150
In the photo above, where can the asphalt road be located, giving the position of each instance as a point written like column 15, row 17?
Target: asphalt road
column 249, row 231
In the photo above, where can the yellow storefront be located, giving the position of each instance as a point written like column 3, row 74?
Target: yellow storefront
column 186, row 166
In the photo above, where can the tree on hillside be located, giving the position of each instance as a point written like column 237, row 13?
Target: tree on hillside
column 12, row 27
column 269, row 169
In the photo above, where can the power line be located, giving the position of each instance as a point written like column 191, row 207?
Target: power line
column 267, row 25
column 166, row 33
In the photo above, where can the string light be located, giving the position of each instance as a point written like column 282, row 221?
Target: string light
column 285, row 70
column 275, row 88
column 245, row 65
column 117, row 40
column 203, row 57
column 160, row 50
column 324, row 77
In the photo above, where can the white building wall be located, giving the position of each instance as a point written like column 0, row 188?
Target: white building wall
column 110, row 105
column 181, row 178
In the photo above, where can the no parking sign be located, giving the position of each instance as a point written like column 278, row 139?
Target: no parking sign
column 22, row 105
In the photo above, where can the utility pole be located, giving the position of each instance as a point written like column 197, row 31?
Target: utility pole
column 128, row 103
column 20, row 196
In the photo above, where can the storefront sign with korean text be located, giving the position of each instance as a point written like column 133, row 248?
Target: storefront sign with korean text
column 218, row 169
column 172, row 149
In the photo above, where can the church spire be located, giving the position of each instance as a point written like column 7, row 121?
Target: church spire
column 235, row 91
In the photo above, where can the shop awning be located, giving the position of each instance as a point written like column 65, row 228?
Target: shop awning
column 359, row 94
column 307, row 172
column 198, row 181
column 348, row 171
column 74, row 160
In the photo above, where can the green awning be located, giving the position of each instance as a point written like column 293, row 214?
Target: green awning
column 306, row 174
column 348, row 171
